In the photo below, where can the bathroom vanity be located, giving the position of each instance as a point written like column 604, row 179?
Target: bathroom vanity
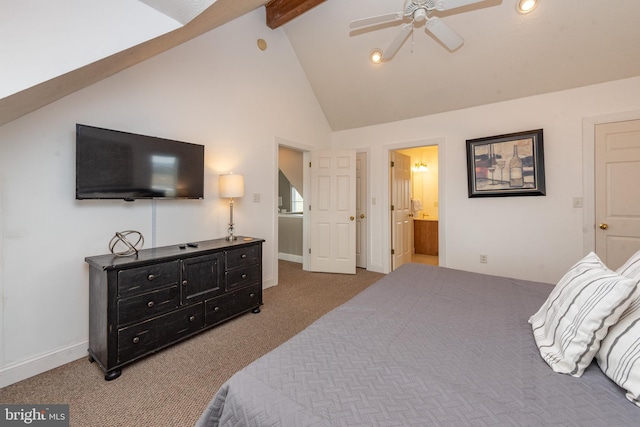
column 425, row 236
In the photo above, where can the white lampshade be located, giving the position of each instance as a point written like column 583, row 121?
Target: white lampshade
column 231, row 185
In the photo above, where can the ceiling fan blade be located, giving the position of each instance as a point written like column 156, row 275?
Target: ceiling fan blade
column 397, row 42
column 382, row 19
column 452, row 4
column 444, row 33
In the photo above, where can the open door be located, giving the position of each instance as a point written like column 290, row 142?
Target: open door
column 401, row 215
column 332, row 212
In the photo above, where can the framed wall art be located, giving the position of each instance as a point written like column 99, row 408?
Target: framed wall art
column 506, row 165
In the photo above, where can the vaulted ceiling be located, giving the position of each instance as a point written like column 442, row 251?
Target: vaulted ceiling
column 561, row 44
column 506, row 55
column 42, row 93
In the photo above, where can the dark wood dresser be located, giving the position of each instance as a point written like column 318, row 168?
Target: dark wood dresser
column 143, row 303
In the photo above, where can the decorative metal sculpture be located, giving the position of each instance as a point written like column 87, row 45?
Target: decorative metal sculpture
column 131, row 248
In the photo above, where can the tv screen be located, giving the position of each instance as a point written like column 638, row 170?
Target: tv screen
column 119, row 165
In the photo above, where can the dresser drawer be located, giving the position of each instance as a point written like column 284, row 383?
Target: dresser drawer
column 138, row 280
column 242, row 256
column 231, row 304
column 241, row 277
column 147, row 305
column 141, row 338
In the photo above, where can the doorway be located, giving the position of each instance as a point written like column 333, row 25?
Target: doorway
column 420, row 217
column 290, row 203
column 322, row 239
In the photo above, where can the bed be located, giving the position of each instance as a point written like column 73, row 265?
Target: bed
column 422, row 346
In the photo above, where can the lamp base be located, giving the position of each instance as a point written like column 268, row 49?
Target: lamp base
column 230, row 236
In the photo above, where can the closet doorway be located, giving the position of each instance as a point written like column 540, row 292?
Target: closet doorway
column 617, row 204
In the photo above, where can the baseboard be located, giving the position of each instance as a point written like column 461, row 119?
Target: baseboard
column 43, row 363
column 268, row 283
column 376, row 269
column 290, row 257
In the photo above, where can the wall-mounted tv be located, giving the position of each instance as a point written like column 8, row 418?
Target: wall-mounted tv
column 112, row 164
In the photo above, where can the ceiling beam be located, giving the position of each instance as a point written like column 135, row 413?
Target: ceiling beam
column 279, row 12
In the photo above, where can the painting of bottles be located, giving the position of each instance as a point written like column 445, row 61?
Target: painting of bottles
column 506, row 165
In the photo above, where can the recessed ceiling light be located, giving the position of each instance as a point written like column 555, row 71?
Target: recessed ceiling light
column 526, row 6
column 376, row 56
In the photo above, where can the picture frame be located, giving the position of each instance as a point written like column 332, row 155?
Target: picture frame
column 506, row 165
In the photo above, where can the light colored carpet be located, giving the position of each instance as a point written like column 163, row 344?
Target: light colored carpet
column 172, row 387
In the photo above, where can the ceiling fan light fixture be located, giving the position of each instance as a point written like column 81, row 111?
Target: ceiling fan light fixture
column 417, row 12
column 376, row 56
column 526, row 6
column 420, row 15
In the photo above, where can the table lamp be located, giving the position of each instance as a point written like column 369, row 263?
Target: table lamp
column 231, row 186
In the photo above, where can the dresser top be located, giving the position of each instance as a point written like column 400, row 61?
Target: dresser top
column 143, row 256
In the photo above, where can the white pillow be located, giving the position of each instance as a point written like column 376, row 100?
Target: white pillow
column 631, row 268
column 576, row 316
column 619, row 354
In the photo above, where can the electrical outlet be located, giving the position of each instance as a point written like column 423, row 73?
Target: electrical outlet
column 256, row 197
column 483, row 259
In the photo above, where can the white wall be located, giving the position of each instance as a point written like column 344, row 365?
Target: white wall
column 219, row 90
column 41, row 46
column 290, row 163
column 535, row 238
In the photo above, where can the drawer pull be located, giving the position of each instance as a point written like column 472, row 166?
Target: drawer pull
column 252, row 295
column 244, row 276
column 216, row 309
column 184, row 283
column 136, row 340
column 150, row 277
column 243, row 256
column 150, row 304
column 192, row 318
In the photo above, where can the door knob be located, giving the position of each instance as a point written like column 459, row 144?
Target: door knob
column 361, row 216
column 603, row 226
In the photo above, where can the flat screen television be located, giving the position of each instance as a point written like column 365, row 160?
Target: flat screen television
column 112, row 164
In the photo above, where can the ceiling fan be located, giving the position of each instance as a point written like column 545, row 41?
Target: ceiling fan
column 418, row 12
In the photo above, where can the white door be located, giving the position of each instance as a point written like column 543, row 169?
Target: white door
column 401, row 215
column 617, row 198
column 361, row 210
column 332, row 212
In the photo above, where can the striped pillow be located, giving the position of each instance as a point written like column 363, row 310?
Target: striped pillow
column 619, row 354
column 631, row 268
column 576, row 316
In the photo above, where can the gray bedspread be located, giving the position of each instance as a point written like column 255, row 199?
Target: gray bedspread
column 423, row 346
